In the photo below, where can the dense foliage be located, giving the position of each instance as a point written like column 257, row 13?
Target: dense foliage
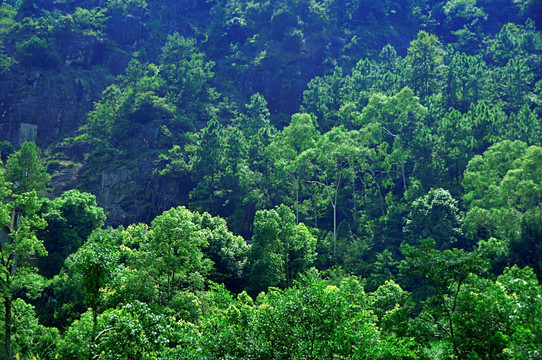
column 351, row 179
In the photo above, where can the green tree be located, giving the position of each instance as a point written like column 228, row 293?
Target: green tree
column 281, row 249
column 291, row 167
column 255, row 116
column 19, row 221
column 464, row 19
column 502, row 194
column 71, row 218
column 26, row 171
column 256, row 176
column 237, row 176
column 505, row 312
column 94, row 264
column 228, row 252
column 227, row 325
column 400, row 118
column 435, row 215
column 525, row 125
column 488, row 124
column 132, row 331
column 444, row 274
column 207, row 164
column 318, row 321
column 339, row 156
column 455, row 146
column 187, row 74
column 524, row 294
column 466, row 81
column 425, row 64
column 176, row 245
column 38, row 52
column 513, row 83
column 482, row 313
column 393, row 306
column 6, row 149
column 137, row 278
column 321, row 100
column 32, row 339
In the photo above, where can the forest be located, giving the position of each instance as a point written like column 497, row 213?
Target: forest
column 286, row 179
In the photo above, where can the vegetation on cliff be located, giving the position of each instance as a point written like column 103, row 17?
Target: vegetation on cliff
column 279, row 179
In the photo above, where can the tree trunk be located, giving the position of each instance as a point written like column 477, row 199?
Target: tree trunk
column 334, row 230
column 94, row 331
column 297, row 201
column 354, row 200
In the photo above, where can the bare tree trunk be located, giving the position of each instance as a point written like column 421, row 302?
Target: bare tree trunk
column 334, row 229
column 94, row 336
column 354, row 199
column 297, row 200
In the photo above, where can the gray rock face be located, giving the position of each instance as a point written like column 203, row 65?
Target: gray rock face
column 125, row 30
column 65, row 176
column 27, row 132
column 113, row 192
column 57, row 101
column 45, row 105
column 133, row 195
column 84, row 51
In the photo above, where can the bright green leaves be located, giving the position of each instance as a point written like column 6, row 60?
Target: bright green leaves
column 70, row 220
column 281, row 250
column 26, row 171
column 291, row 150
column 95, row 263
column 500, row 186
column 175, row 256
column 524, row 296
column 19, row 203
column 177, row 244
column 503, row 189
column 400, row 115
column 151, row 95
column 522, row 186
column 31, row 337
column 317, row 321
column 132, row 331
column 187, row 75
column 505, row 313
column 313, row 320
column 434, row 215
column 24, row 223
column 138, row 99
column 392, row 305
column 444, row 273
column 425, row 63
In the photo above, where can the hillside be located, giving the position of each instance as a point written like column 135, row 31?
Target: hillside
column 382, row 158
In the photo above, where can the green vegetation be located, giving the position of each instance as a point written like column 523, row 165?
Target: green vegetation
column 295, row 180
